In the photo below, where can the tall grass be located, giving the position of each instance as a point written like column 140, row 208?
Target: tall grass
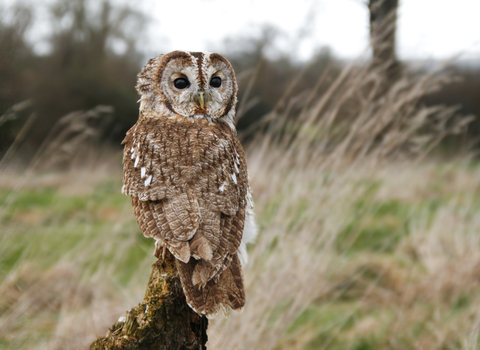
column 364, row 242
column 340, row 248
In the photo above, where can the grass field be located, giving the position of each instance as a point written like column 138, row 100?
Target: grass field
column 377, row 259
column 364, row 242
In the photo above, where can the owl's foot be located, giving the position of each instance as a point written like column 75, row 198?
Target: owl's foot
column 159, row 250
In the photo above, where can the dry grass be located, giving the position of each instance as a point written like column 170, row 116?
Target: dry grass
column 364, row 244
column 314, row 284
column 323, row 178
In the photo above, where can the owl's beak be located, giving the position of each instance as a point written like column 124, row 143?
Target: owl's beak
column 201, row 99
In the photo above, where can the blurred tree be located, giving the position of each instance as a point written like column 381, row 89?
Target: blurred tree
column 94, row 56
column 465, row 93
column 265, row 73
column 383, row 24
column 14, row 53
column 15, row 57
column 93, row 61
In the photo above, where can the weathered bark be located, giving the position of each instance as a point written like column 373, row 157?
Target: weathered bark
column 163, row 321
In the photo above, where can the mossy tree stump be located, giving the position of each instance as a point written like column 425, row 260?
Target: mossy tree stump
column 162, row 321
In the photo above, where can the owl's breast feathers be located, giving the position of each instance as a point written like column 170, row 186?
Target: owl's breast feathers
column 163, row 158
column 188, row 182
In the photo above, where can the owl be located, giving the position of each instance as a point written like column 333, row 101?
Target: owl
column 186, row 173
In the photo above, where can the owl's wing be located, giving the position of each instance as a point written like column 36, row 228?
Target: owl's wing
column 163, row 202
column 188, row 186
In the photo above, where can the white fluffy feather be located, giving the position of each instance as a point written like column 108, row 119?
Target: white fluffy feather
column 249, row 230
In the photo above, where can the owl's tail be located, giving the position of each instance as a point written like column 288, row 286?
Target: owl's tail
column 208, row 300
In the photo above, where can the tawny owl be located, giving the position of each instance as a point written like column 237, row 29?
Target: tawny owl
column 186, row 173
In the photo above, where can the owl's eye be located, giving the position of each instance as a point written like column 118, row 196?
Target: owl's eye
column 216, row 82
column 181, row 83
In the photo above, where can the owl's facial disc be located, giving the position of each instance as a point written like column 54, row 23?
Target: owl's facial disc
column 195, row 83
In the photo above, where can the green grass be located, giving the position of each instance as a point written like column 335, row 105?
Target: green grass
column 41, row 225
column 44, row 226
column 376, row 291
column 93, row 234
column 375, row 226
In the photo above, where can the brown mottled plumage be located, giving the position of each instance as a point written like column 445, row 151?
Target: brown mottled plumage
column 186, row 173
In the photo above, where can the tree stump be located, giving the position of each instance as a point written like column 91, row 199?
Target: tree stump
column 163, row 321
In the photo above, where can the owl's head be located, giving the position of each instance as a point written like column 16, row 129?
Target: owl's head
column 189, row 84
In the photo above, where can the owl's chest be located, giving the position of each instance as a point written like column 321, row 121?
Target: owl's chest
column 186, row 149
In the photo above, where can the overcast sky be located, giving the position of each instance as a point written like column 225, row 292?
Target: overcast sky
column 426, row 28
